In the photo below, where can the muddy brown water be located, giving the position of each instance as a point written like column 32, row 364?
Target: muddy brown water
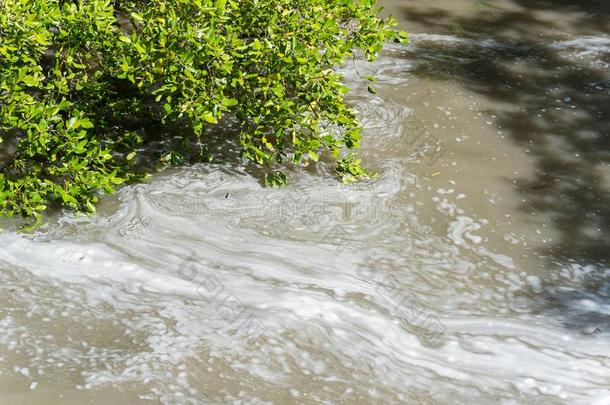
column 473, row 269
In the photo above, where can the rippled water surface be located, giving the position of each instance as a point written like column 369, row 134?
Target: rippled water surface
column 473, row 269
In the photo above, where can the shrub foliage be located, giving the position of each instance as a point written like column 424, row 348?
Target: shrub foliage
column 77, row 79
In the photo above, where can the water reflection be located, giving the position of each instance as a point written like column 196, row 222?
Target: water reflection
column 558, row 111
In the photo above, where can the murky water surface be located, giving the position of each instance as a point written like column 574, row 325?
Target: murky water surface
column 473, row 269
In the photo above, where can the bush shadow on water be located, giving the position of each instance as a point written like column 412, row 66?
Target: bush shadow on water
column 515, row 20
column 551, row 98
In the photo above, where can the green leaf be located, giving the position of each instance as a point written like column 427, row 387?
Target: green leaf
column 137, row 16
column 208, row 117
column 30, row 81
column 275, row 179
column 231, row 102
column 85, row 123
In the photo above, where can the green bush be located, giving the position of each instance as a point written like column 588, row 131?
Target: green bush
column 79, row 80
